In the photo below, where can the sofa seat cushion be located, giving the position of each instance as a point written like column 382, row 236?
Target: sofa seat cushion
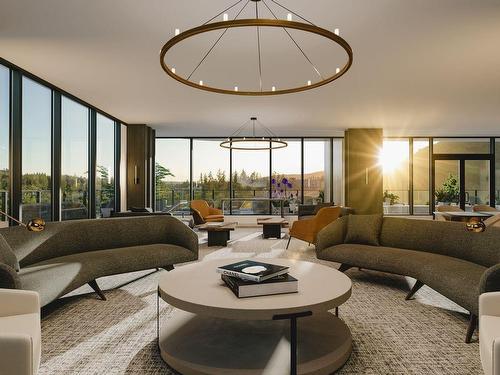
column 455, row 278
column 24, row 324
column 55, row 277
column 489, row 331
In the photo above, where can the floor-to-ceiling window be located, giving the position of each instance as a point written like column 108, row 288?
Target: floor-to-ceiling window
column 210, row 171
column 4, row 143
column 251, row 179
column 105, row 166
column 36, row 151
column 286, row 179
column 317, row 170
column 338, row 171
column 172, row 174
column 421, row 183
column 74, row 160
column 394, row 159
column 497, row 173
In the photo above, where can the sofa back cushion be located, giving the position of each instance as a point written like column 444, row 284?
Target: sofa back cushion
column 442, row 237
column 77, row 236
column 364, row 229
column 7, row 256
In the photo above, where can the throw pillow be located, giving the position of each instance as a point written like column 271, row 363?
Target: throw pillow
column 364, row 229
column 7, row 256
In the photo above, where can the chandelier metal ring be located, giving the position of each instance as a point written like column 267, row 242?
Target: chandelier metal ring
column 257, row 23
column 272, row 144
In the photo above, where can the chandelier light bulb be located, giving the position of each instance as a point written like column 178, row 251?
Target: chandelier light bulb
column 225, row 17
column 273, row 88
column 235, row 88
column 173, row 70
column 309, row 83
column 289, row 17
column 177, row 32
column 201, row 83
column 337, row 71
column 336, row 32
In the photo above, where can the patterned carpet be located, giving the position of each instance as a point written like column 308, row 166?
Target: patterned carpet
column 84, row 335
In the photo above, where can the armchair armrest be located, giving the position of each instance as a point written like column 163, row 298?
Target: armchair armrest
column 489, row 304
column 17, row 302
column 16, row 354
column 331, row 235
column 490, row 281
column 8, row 277
column 214, row 211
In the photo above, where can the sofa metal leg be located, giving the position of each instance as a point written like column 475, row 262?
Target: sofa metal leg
column 93, row 285
column 288, row 243
column 471, row 328
column 169, row 267
column 418, row 284
column 344, row 267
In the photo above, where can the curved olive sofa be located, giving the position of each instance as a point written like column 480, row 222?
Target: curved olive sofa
column 67, row 255
column 443, row 255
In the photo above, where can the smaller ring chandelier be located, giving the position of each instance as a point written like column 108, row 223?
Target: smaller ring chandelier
column 239, row 141
column 264, row 88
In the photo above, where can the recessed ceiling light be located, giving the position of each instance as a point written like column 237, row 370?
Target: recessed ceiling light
column 177, row 32
column 336, row 32
column 289, row 17
column 225, row 17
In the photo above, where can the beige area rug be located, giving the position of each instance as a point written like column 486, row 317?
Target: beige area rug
column 84, row 335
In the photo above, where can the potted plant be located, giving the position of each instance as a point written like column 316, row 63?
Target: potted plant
column 449, row 192
column 390, row 198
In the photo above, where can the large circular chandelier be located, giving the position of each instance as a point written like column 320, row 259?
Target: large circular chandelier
column 253, row 136
column 264, row 88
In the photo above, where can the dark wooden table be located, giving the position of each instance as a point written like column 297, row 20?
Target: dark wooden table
column 218, row 233
column 271, row 227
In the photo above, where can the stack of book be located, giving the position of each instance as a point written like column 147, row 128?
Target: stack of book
column 249, row 278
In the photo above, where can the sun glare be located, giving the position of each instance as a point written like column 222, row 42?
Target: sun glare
column 392, row 155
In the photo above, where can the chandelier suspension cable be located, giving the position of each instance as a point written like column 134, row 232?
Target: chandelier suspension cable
column 296, row 44
column 258, row 44
column 295, row 13
column 240, row 129
column 224, row 11
column 216, row 42
column 270, row 133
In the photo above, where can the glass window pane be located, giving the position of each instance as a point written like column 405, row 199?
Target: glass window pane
column 210, row 171
column 447, row 179
column 172, row 174
column 287, row 181
column 338, row 171
column 394, row 159
column 4, row 143
column 36, row 151
column 421, row 195
column 250, row 180
column 317, row 166
column 74, row 160
column 105, row 166
column 461, row 146
column 477, row 183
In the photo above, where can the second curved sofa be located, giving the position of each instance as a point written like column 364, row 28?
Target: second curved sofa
column 443, row 255
column 67, row 255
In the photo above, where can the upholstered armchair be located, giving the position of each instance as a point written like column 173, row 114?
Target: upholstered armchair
column 489, row 332
column 203, row 213
column 307, row 229
column 20, row 333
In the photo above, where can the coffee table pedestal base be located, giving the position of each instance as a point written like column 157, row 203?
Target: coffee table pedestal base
column 194, row 344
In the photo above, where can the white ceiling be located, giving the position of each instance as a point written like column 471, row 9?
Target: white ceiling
column 421, row 67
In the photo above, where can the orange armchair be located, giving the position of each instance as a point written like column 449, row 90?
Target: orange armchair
column 205, row 212
column 307, row 229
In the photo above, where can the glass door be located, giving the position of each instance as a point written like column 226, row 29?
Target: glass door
column 461, row 182
column 477, row 183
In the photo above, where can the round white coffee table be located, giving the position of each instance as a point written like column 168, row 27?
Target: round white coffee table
column 214, row 332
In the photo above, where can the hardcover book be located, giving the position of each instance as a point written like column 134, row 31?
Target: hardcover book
column 277, row 285
column 252, row 271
